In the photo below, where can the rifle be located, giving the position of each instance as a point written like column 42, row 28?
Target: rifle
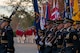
column 53, row 39
column 52, row 34
column 44, row 37
column 14, row 11
column 48, row 40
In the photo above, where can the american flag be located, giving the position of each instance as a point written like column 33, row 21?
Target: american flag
column 55, row 10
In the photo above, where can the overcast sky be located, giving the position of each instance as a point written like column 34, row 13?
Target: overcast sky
column 4, row 7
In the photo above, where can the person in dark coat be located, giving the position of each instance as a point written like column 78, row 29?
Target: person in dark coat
column 6, row 36
column 77, row 41
column 69, row 36
column 48, row 33
column 59, row 37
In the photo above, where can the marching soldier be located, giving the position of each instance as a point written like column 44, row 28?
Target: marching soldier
column 6, row 36
column 42, row 46
column 59, row 37
column 52, row 41
column 19, row 34
column 48, row 45
column 68, row 36
column 77, row 42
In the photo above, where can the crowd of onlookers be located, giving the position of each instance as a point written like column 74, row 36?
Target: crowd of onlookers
column 26, row 36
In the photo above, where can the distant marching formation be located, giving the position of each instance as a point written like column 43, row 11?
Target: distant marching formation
column 26, row 36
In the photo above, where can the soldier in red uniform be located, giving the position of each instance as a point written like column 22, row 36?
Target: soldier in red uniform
column 19, row 34
column 30, row 35
column 26, row 35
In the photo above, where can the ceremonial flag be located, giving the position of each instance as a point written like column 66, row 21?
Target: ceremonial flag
column 47, row 12
column 50, row 3
column 55, row 10
column 35, row 5
column 57, row 16
column 71, row 8
column 68, row 9
column 42, row 19
column 76, row 11
column 37, row 15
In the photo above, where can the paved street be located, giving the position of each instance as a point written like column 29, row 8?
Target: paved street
column 24, row 48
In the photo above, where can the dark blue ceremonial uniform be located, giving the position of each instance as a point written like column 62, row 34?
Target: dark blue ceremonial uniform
column 47, row 49
column 65, row 33
column 41, row 34
column 6, row 36
column 6, row 40
column 59, row 41
column 75, row 40
column 10, row 45
column 57, row 38
column 67, row 49
column 54, row 45
column 78, row 32
column 68, row 36
column 3, row 41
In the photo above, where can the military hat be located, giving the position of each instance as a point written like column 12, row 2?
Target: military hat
column 77, row 22
column 40, row 31
column 47, row 22
column 6, row 19
column 59, row 21
column 51, row 22
column 67, row 20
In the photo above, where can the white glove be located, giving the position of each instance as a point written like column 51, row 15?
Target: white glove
column 36, row 37
column 49, row 44
column 41, row 43
column 46, row 43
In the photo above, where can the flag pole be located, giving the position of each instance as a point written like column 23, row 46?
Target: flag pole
column 65, row 8
column 70, row 9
